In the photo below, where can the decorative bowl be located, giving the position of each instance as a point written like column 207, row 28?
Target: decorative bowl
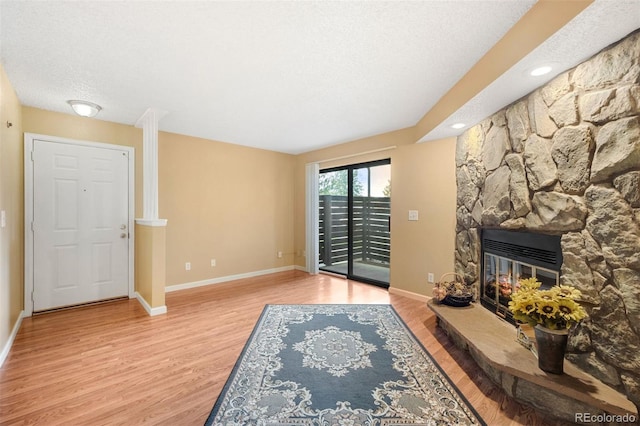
column 457, row 301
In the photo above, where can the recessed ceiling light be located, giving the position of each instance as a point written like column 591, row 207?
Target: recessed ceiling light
column 84, row 108
column 536, row 72
column 458, row 126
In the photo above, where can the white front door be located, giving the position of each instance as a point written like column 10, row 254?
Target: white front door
column 80, row 224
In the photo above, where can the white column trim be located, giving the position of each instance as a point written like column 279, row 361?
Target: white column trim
column 311, row 217
column 152, row 222
column 149, row 124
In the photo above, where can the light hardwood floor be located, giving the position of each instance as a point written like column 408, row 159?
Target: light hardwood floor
column 111, row 364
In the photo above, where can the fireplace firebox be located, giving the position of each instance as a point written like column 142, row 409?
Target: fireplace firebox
column 508, row 256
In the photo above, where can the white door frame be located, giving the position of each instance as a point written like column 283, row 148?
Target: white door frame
column 29, row 139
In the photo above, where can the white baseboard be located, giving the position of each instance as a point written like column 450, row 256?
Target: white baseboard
column 300, row 268
column 176, row 287
column 12, row 337
column 409, row 294
column 159, row 310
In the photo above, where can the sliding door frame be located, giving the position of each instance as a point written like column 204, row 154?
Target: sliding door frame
column 350, row 213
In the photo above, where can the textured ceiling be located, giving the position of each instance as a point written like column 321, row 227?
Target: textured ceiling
column 286, row 76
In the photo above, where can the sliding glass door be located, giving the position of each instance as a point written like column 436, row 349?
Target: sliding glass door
column 354, row 221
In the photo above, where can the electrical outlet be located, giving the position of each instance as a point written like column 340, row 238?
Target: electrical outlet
column 187, row 266
column 413, row 214
column 431, row 278
column 213, row 263
column 279, row 255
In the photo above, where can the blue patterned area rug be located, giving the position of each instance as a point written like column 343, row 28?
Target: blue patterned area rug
column 337, row 365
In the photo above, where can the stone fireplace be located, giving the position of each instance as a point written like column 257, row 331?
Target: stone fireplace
column 508, row 256
column 565, row 161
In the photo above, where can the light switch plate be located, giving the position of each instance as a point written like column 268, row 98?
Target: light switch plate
column 413, row 214
column 3, row 219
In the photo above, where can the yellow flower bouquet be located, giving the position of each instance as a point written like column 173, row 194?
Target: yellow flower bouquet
column 555, row 308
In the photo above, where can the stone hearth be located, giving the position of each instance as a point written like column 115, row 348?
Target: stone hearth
column 565, row 160
column 492, row 344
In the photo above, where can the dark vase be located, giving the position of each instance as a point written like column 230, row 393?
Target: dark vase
column 552, row 345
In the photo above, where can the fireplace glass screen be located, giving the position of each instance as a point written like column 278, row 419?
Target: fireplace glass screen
column 508, row 256
column 501, row 277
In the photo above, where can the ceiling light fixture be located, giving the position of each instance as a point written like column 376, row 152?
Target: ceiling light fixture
column 536, row 72
column 84, row 108
column 458, row 126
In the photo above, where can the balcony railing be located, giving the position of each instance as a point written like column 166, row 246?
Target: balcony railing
column 371, row 236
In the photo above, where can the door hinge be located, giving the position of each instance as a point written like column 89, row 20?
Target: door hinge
column 32, row 298
column 32, row 227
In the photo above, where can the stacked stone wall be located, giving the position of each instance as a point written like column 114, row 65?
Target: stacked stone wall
column 565, row 160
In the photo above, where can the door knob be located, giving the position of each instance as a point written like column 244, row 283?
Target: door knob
column 123, row 227
column 123, row 235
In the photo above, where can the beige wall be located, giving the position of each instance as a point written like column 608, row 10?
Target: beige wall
column 151, row 248
column 222, row 201
column 423, row 179
column 242, row 205
column 225, row 202
column 12, row 202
